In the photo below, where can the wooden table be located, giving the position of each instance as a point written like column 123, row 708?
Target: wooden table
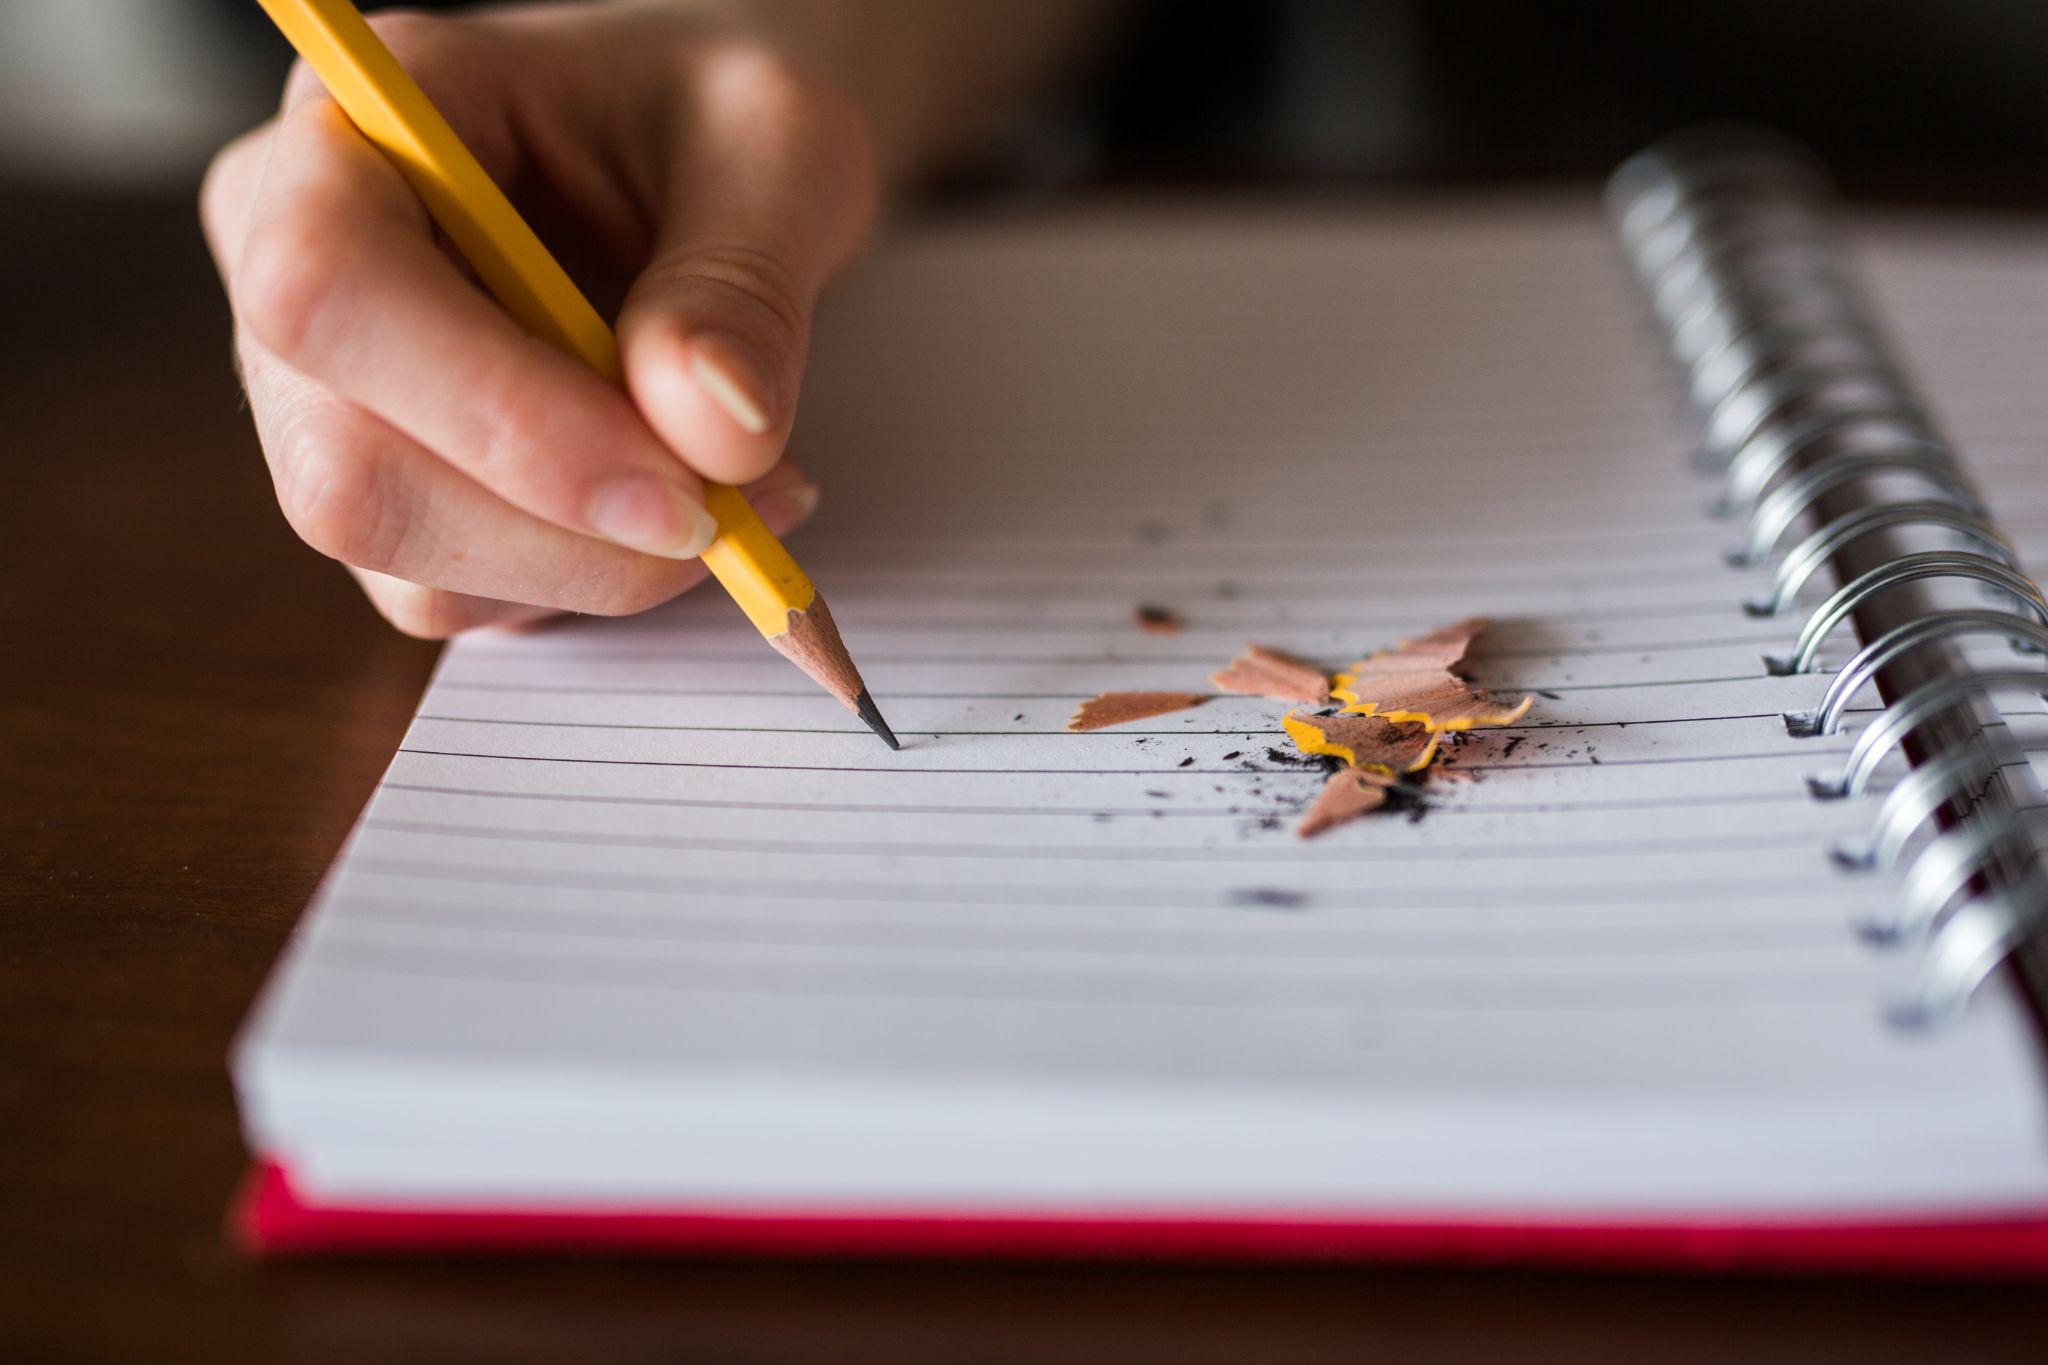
column 192, row 709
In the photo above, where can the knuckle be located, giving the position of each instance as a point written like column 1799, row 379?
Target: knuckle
column 330, row 491
column 287, row 280
column 512, row 436
column 769, row 86
column 751, row 275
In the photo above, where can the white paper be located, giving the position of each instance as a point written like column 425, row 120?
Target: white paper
column 639, row 916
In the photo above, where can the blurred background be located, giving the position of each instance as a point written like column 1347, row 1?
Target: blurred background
column 1917, row 98
column 110, row 108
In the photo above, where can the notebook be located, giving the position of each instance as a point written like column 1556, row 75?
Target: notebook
column 644, row 943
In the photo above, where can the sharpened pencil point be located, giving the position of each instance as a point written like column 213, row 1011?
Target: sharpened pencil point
column 864, row 707
column 812, row 643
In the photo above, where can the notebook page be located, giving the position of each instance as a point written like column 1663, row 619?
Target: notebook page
column 1971, row 306
column 637, row 915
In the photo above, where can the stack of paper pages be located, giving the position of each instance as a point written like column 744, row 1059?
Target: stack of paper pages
column 644, row 940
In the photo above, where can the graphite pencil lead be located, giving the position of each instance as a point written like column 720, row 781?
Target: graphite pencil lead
column 864, row 707
column 812, row 643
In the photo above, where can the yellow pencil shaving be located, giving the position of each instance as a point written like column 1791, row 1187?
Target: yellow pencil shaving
column 1343, row 688
column 1485, row 713
column 1460, row 708
column 1311, row 738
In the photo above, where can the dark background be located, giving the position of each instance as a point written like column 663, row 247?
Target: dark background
column 193, row 707
column 1913, row 99
column 1916, row 100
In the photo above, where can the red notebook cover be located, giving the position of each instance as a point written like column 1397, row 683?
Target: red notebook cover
column 272, row 1218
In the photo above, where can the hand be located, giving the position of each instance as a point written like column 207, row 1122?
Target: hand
column 467, row 473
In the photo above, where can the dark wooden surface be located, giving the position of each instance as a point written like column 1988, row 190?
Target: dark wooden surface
column 193, row 707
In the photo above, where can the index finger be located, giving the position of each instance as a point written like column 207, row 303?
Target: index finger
column 340, row 275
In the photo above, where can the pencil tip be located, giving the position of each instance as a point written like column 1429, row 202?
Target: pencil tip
column 812, row 643
column 871, row 715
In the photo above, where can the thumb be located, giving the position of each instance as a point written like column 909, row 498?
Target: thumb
column 772, row 190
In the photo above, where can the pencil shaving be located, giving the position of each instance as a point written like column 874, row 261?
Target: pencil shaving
column 1398, row 704
column 1471, row 711
column 1258, row 671
column 1414, row 668
column 1363, row 741
column 1348, row 794
column 1157, row 621
column 1119, row 708
column 1416, row 681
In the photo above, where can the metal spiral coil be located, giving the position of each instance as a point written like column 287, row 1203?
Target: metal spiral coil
column 1796, row 400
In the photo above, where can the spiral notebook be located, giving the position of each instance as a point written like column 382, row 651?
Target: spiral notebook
column 643, row 944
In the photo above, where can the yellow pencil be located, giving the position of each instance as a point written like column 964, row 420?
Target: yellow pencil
column 392, row 111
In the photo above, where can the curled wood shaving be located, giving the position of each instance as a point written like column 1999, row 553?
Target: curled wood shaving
column 1348, row 794
column 1258, row 671
column 1363, row 741
column 1116, row 708
column 1375, row 751
column 1414, row 682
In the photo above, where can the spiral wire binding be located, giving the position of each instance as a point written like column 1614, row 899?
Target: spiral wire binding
column 1795, row 397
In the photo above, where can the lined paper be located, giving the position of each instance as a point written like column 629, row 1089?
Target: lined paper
column 638, row 916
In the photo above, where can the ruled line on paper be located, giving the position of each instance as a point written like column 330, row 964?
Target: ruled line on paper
column 1083, row 853
column 1110, row 655
column 1209, row 624
column 1782, row 794
column 1232, row 913
column 1120, row 732
column 1113, row 586
column 1148, row 773
column 900, row 694
column 1839, row 892
column 1632, row 991
column 1290, row 940
column 883, row 655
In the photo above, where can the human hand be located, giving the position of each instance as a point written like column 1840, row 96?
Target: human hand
column 466, row 472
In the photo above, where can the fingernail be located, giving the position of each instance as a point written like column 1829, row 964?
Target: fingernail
column 787, row 507
column 734, row 376
column 645, row 513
